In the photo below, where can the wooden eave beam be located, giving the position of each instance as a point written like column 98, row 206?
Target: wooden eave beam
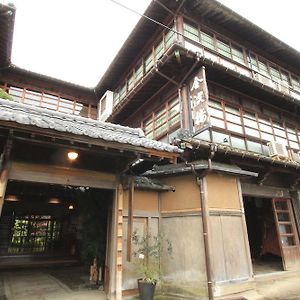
column 172, row 157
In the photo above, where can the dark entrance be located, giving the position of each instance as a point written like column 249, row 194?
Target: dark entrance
column 263, row 238
column 48, row 225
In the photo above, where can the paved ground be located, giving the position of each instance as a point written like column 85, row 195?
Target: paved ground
column 41, row 285
column 71, row 284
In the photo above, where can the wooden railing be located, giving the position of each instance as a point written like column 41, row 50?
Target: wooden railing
column 51, row 101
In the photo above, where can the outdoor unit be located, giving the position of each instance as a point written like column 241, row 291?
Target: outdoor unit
column 105, row 106
column 277, row 149
column 295, row 156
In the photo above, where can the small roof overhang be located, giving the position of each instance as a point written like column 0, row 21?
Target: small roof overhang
column 23, row 117
column 198, row 166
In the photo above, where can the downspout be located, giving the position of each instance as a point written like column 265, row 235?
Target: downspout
column 205, row 216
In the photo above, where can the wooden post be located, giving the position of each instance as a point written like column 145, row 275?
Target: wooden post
column 3, row 184
column 130, row 219
column 119, row 242
column 4, row 170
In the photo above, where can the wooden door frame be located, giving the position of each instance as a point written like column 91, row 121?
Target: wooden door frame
column 48, row 174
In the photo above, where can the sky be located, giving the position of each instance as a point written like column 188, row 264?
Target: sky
column 76, row 40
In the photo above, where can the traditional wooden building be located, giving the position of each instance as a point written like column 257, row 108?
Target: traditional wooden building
column 228, row 93
column 65, row 176
column 209, row 82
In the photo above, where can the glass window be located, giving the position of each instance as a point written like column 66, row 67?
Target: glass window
column 217, row 122
column 238, row 143
column 238, row 55
column 224, row 48
column 207, row 40
column 254, row 147
column 275, row 74
column 191, row 32
column 169, row 38
column 138, row 72
column 254, row 63
column 234, row 127
column 159, row 50
column 221, row 138
column 263, row 68
column 296, row 84
column 149, row 62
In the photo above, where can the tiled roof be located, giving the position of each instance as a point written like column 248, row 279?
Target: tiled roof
column 48, row 119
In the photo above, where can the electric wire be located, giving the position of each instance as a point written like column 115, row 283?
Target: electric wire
column 146, row 17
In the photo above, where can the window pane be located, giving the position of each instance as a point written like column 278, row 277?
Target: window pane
column 221, row 138
column 217, row 122
column 234, row 127
column 207, row 40
column 191, row 32
column 255, row 147
column 224, row 48
column 238, row 143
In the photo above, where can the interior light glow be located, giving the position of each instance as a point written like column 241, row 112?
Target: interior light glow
column 54, row 201
column 11, row 198
column 72, row 155
column 71, row 207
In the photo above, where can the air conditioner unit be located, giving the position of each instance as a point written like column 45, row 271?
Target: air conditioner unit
column 105, row 106
column 295, row 156
column 277, row 149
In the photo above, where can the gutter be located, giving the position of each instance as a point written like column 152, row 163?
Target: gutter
column 200, row 178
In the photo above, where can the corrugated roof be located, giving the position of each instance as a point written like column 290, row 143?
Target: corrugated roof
column 47, row 119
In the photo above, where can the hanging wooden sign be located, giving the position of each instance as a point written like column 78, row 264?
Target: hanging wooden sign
column 199, row 102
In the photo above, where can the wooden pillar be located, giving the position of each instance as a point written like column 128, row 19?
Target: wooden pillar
column 295, row 195
column 3, row 184
column 179, row 28
column 119, row 242
column 130, row 219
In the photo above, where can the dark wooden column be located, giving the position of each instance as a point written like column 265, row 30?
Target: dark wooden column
column 186, row 116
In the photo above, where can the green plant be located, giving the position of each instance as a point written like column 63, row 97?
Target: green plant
column 147, row 253
column 4, row 95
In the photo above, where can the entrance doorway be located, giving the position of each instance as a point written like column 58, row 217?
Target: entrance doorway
column 58, row 227
column 273, row 237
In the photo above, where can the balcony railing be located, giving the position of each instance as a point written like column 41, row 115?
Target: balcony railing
column 145, row 64
column 218, row 50
column 50, row 101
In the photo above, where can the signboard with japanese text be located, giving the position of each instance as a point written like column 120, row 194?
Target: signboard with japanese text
column 199, row 102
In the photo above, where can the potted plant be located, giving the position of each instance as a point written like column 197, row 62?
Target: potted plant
column 5, row 95
column 147, row 253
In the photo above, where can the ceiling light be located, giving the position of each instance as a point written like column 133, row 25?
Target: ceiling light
column 71, row 207
column 72, row 155
column 54, row 201
column 11, row 198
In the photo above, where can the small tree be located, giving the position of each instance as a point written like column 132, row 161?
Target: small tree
column 148, row 249
column 5, row 95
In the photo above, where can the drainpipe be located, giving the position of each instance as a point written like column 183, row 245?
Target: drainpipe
column 205, row 216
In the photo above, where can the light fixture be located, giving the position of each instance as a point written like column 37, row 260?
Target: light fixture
column 11, row 198
column 54, row 201
column 72, row 155
column 71, row 207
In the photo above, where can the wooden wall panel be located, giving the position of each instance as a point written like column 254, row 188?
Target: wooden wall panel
column 223, row 192
column 61, row 175
column 185, row 197
column 229, row 251
column 141, row 225
column 145, row 201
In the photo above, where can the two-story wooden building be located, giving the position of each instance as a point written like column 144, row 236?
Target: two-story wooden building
column 228, row 93
column 65, row 175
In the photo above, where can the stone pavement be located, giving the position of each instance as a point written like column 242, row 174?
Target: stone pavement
column 39, row 285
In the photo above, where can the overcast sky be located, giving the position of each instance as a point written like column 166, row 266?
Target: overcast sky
column 76, row 40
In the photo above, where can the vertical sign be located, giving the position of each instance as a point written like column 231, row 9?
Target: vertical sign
column 199, row 102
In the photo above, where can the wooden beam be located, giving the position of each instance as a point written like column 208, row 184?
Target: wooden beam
column 61, row 175
column 261, row 191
